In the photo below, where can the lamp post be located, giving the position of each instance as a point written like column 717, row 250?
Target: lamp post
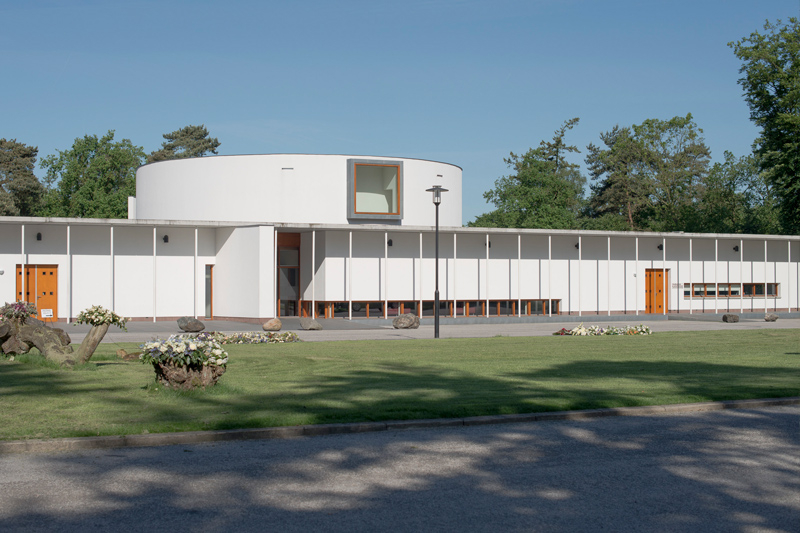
column 437, row 191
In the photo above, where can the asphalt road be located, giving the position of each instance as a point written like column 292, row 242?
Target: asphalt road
column 726, row 471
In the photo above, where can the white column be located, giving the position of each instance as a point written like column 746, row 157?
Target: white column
column 350, row 280
column 580, row 261
column 549, row 275
column 716, row 271
column 69, row 274
column 519, row 275
column 765, row 276
column 486, row 275
column 154, row 274
column 691, row 267
column 194, row 276
column 313, row 274
column 608, row 279
column 741, row 273
column 636, row 275
column 111, row 254
column 385, row 273
column 455, row 278
column 420, row 275
column 664, row 273
column 22, row 261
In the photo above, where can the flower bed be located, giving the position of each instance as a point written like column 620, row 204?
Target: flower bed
column 185, row 363
column 641, row 329
column 248, row 337
column 18, row 311
column 100, row 316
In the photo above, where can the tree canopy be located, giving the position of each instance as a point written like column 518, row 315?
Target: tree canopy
column 20, row 190
column 93, row 179
column 771, row 82
column 189, row 141
column 545, row 190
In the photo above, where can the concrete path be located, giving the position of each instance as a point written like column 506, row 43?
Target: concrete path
column 377, row 329
column 722, row 471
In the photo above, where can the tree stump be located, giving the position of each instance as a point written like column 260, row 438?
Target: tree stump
column 187, row 377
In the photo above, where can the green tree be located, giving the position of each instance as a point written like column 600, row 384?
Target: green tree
column 93, row 179
column 620, row 192
column 674, row 163
column 20, row 190
column 771, row 83
column 190, row 141
column 544, row 191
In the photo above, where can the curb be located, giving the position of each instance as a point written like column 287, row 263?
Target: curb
column 287, row 432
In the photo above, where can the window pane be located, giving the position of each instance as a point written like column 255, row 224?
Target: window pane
column 772, row 289
column 289, row 257
column 687, row 290
column 736, row 289
column 759, row 287
column 377, row 189
column 723, row 289
column 711, row 289
column 699, row 289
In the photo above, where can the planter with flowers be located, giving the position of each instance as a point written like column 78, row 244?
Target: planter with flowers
column 185, row 363
column 100, row 319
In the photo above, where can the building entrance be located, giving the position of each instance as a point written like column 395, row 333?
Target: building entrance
column 40, row 287
column 655, row 281
column 288, row 274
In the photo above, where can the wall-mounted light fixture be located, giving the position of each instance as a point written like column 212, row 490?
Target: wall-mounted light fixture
column 660, row 246
column 166, row 238
column 736, row 248
column 389, row 242
column 490, row 244
column 2, row 272
column 577, row 246
column 38, row 236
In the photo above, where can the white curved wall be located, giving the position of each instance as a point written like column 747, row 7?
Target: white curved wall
column 284, row 188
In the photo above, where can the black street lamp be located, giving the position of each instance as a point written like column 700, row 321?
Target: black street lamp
column 437, row 191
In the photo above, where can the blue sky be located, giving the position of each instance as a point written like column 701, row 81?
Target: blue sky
column 460, row 81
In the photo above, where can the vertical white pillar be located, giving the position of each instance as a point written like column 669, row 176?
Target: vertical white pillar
column 716, row 272
column 765, row 276
column 111, row 255
column 385, row 273
column 519, row 275
column 486, row 275
column 421, row 270
column 664, row 279
column 580, row 262
column 549, row 275
column 608, row 278
column 350, row 280
column 154, row 274
column 69, row 274
column 194, row 276
column 455, row 275
column 741, row 273
column 22, row 261
column 691, row 267
column 313, row 312
column 636, row 275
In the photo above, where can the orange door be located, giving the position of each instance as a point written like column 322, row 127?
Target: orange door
column 41, row 289
column 655, row 295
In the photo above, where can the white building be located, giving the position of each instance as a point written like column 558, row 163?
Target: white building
column 253, row 237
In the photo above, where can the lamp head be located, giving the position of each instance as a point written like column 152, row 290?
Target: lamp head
column 437, row 191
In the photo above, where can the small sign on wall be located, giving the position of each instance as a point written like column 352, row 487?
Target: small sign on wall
column 676, row 286
column 47, row 313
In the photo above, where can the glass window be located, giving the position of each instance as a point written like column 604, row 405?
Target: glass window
column 759, row 289
column 772, row 289
column 735, row 289
column 289, row 257
column 377, row 189
column 711, row 290
column 687, row 290
column 699, row 290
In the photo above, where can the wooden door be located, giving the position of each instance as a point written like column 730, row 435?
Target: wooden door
column 41, row 289
column 655, row 293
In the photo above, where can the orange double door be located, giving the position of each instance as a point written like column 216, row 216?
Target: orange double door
column 40, row 288
column 655, row 281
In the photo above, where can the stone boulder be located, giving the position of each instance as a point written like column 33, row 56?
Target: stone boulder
column 769, row 317
column 730, row 317
column 190, row 325
column 273, row 324
column 309, row 324
column 406, row 321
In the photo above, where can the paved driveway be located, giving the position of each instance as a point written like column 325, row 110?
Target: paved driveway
column 726, row 471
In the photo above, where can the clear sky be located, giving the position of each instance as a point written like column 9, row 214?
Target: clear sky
column 460, row 81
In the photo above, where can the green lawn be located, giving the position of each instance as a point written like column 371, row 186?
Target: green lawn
column 321, row 382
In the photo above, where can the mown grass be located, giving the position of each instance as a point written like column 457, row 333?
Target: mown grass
column 312, row 383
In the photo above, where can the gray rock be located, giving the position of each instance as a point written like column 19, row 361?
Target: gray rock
column 730, row 317
column 273, row 324
column 406, row 321
column 769, row 317
column 309, row 323
column 190, row 325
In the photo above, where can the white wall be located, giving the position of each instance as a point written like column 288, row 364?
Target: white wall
column 288, row 188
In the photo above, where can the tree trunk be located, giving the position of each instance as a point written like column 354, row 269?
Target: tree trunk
column 90, row 342
column 48, row 342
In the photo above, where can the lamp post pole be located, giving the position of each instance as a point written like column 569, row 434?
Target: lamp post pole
column 437, row 191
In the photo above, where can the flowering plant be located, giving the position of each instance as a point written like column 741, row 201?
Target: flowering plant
column 641, row 329
column 249, row 337
column 180, row 351
column 99, row 316
column 17, row 311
